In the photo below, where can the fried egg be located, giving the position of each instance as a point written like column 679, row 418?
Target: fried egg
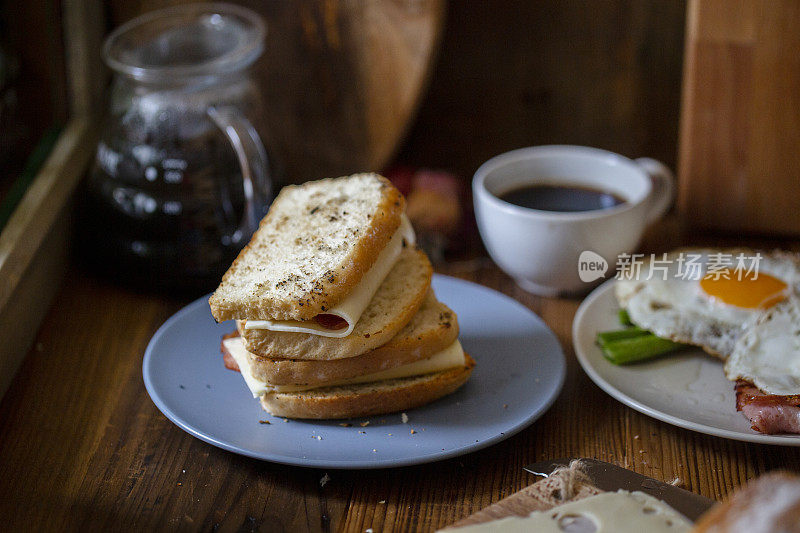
column 709, row 297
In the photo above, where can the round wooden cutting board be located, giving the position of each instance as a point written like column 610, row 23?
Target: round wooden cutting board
column 342, row 80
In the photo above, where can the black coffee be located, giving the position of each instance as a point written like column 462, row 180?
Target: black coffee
column 562, row 198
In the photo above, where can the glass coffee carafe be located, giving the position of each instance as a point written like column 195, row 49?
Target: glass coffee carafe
column 181, row 177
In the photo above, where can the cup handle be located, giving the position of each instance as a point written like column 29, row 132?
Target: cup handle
column 253, row 161
column 663, row 193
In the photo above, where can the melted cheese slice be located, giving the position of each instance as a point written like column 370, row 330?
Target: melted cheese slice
column 450, row 357
column 352, row 307
column 609, row 512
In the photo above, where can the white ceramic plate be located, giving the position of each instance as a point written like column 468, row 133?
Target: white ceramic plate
column 688, row 390
column 520, row 370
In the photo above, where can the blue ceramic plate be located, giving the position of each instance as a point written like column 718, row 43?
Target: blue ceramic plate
column 520, row 370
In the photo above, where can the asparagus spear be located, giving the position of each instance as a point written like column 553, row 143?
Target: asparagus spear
column 633, row 344
column 638, row 348
column 624, row 318
column 604, row 337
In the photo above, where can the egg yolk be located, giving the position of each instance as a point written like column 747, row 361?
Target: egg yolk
column 744, row 289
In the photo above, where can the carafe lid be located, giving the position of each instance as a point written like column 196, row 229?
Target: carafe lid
column 186, row 42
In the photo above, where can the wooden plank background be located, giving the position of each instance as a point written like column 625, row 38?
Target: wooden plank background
column 739, row 166
column 522, row 73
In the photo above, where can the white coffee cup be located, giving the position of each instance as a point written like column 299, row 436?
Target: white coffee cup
column 550, row 252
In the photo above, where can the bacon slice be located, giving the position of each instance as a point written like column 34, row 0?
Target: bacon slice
column 230, row 362
column 769, row 413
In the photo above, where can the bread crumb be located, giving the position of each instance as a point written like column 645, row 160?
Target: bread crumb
column 346, row 424
column 404, row 418
column 324, row 480
column 412, row 431
column 363, row 432
column 264, row 422
column 635, row 437
column 677, row 482
column 286, row 420
column 364, row 424
column 319, row 437
column 382, row 501
column 180, row 484
column 374, row 450
column 505, row 406
column 368, row 530
column 390, row 434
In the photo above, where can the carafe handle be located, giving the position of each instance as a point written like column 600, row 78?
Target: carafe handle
column 253, row 161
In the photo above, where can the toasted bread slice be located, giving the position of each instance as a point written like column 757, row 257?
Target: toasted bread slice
column 431, row 330
column 368, row 399
column 311, row 249
column 396, row 301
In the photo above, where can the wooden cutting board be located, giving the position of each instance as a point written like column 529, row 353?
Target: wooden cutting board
column 580, row 479
column 341, row 80
column 541, row 496
column 739, row 163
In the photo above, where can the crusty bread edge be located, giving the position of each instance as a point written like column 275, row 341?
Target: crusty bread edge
column 382, row 227
column 407, row 394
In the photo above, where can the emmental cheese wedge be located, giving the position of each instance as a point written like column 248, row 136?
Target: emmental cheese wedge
column 608, row 512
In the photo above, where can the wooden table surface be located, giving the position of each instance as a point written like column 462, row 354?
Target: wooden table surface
column 82, row 445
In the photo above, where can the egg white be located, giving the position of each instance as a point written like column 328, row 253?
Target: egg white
column 680, row 310
column 768, row 352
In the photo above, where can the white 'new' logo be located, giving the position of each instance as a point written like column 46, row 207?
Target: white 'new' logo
column 591, row 266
